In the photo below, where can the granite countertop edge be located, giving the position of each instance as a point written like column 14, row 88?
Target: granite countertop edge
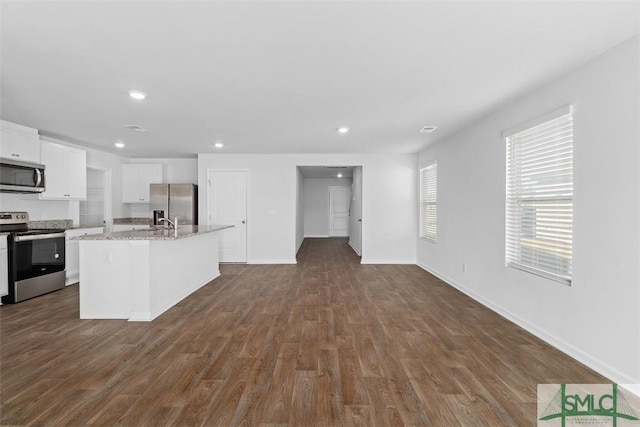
column 156, row 234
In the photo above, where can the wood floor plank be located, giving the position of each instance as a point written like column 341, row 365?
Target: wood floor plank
column 331, row 410
column 304, row 401
column 325, row 342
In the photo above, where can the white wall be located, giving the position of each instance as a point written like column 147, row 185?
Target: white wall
column 299, row 209
column 37, row 209
column 316, row 204
column 596, row 319
column 389, row 209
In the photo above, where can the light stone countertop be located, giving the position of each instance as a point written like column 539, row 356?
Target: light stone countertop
column 132, row 221
column 57, row 224
column 156, row 233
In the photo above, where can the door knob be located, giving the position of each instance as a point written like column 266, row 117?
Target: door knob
column 244, row 222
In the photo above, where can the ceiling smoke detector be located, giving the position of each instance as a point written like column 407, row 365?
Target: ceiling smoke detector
column 135, row 128
column 427, row 129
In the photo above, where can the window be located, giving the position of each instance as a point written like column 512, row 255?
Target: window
column 539, row 198
column 428, row 202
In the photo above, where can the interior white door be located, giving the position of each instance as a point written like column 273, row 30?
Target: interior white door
column 228, row 206
column 339, row 201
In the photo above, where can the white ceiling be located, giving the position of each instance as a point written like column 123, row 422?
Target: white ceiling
column 280, row 77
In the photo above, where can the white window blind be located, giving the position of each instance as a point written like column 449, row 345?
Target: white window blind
column 428, row 202
column 539, row 193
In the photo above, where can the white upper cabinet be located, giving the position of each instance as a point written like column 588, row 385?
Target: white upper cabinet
column 136, row 178
column 19, row 142
column 65, row 172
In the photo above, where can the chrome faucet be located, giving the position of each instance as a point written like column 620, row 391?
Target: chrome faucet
column 170, row 223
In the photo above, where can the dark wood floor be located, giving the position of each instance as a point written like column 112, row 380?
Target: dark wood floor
column 327, row 342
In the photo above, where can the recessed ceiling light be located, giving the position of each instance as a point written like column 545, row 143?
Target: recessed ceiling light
column 427, row 129
column 339, row 175
column 136, row 94
column 218, row 145
column 119, row 144
column 343, row 130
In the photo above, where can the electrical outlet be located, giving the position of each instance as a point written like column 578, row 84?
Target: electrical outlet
column 108, row 257
column 464, row 268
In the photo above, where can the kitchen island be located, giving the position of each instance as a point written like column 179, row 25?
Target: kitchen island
column 140, row 274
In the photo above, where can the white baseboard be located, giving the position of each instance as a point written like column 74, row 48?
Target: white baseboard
column 272, row 261
column 387, row 261
column 316, row 236
column 596, row 364
column 354, row 249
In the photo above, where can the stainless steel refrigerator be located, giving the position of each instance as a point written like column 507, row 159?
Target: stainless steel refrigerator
column 174, row 201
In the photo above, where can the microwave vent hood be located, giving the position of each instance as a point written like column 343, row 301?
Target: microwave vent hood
column 21, row 177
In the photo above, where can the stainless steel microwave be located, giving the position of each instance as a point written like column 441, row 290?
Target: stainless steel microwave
column 21, row 177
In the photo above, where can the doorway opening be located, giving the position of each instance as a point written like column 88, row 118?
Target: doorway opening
column 329, row 204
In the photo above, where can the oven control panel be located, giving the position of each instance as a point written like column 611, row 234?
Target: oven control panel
column 14, row 217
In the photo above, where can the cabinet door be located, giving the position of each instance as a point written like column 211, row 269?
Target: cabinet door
column 149, row 174
column 4, row 273
column 53, row 157
column 136, row 179
column 72, row 261
column 4, row 267
column 19, row 143
column 6, row 144
column 130, row 184
column 76, row 174
column 27, row 147
column 65, row 172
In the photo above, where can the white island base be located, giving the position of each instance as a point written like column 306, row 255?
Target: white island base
column 139, row 280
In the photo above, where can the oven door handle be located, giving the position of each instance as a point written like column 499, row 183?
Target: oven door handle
column 37, row 237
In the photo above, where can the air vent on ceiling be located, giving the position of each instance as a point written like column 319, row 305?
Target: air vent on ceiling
column 336, row 167
column 135, row 128
column 427, row 129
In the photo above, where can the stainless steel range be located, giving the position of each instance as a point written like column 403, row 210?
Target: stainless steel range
column 36, row 258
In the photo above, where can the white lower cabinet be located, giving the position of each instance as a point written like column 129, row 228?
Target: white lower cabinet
column 72, row 252
column 4, row 268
